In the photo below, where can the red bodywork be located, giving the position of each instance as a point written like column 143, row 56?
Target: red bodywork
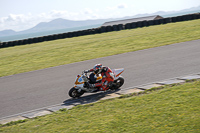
column 107, row 78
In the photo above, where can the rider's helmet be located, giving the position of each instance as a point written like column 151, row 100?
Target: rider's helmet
column 97, row 68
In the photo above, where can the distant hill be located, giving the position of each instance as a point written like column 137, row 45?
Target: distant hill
column 60, row 23
column 168, row 13
column 55, row 24
column 7, row 32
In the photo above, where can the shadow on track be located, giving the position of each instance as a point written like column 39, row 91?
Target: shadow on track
column 89, row 98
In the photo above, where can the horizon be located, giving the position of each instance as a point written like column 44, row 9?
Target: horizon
column 10, row 35
column 21, row 15
column 115, row 19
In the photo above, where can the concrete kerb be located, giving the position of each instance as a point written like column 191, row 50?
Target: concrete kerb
column 54, row 108
column 146, row 87
column 36, row 114
column 14, row 118
column 172, row 81
column 190, row 77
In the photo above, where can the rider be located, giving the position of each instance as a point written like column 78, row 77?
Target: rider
column 106, row 73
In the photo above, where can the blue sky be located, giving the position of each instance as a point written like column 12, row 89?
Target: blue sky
column 23, row 14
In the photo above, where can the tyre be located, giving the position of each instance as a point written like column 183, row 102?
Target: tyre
column 119, row 82
column 73, row 92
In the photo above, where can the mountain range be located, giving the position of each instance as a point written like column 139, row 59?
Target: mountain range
column 60, row 23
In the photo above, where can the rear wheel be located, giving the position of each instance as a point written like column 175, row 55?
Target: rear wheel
column 73, row 92
column 119, row 82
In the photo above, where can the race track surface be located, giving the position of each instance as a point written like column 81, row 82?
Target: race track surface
column 28, row 91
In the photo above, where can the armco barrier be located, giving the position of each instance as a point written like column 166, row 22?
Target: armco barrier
column 101, row 30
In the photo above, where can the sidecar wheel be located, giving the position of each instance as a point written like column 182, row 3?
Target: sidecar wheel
column 73, row 92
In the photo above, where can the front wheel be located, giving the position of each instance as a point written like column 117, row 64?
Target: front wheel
column 119, row 82
column 73, row 92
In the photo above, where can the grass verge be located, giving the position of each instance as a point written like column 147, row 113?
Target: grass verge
column 173, row 108
column 18, row 59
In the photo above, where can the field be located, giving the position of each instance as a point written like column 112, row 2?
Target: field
column 19, row 59
column 173, row 108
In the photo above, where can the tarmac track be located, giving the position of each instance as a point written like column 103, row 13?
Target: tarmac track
column 28, row 91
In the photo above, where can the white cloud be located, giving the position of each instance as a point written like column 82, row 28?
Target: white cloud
column 13, row 21
column 88, row 11
column 19, row 22
column 121, row 6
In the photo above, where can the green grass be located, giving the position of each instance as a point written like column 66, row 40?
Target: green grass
column 173, row 109
column 18, row 59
